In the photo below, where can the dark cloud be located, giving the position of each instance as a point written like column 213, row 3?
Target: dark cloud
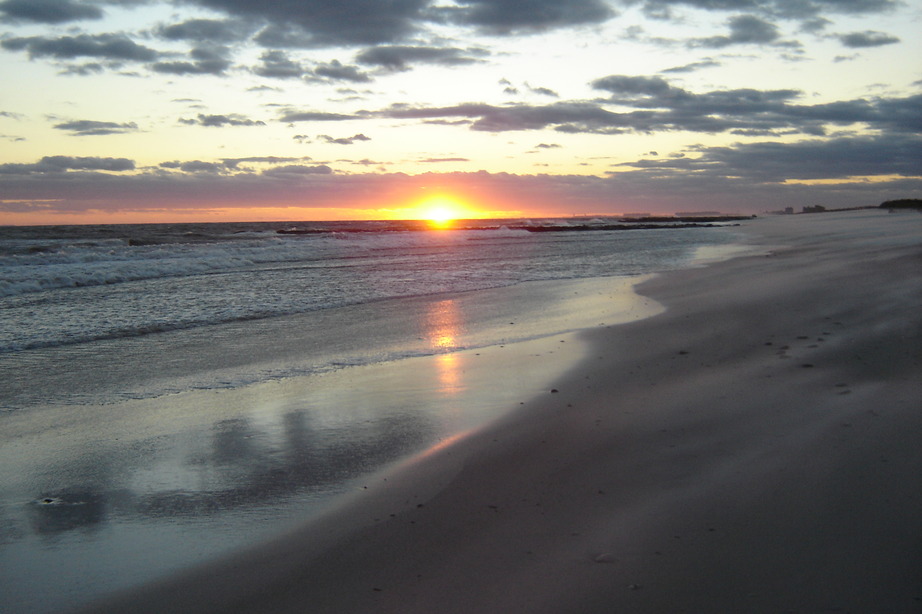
column 60, row 164
column 774, row 162
column 83, row 70
column 11, row 115
column 85, row 127
column 744, row 30
column 219, row 121
column 518, row 16
column 398, row 57
column 108, row 46
column 195, row 166
column 48, row 11
column 277, row 65
column 692, row 67
column 207, row 60
column 314, row 116
column 297, row 169
column 337, row 71
column 867, row 38
column 564, row 116
column 316, row 23
column 790, row 9
column 543, row 91
column 233, row 163
column 658, row 106
column 626, row 87
column 343, row 140
column 207, row 30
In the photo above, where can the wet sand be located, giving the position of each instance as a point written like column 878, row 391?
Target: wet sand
column 754, row 448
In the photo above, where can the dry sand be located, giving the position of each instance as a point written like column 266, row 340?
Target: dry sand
column 755, row 448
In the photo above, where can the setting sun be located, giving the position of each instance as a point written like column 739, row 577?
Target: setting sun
column 442, row 210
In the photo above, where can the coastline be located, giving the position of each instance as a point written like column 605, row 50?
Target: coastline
column 753, row 448
column 188, row 477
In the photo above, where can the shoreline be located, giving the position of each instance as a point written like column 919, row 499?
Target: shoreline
column 199, row 474
column 753, row 448
column 239, row 354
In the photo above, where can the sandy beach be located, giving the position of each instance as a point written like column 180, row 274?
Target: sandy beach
column 753, row 448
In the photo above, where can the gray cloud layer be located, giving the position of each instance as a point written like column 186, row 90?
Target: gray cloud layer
column 48, row 11
column 85, row 127
column 659, row 106
column 390, row 32
column 107, row 46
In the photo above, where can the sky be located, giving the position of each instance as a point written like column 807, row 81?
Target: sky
column 117, row 111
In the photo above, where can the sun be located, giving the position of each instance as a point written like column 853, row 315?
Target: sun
column 441, row 210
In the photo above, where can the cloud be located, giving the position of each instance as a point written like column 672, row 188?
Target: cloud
column 744, row 30
column 564, row 116
column 343, row 141
column 291, row 170
column 294, row 185
column 337, row 71
column 521, row 16
column 207, row 30
column 319, row 23
column 219, row 121
column 626, row 87
column 657, row 106
column 207, row 60
column 85, row 127
column 692, row 67
column 441, row 160
column 774, row 162
column 60, row 164
column 277, row 65
column 83, row 70
column 398, row 57
column 868, row 38
column 48, row 11
column 194, row 166
column 315, row 116
column 108, row 46
column 788, row 9
column 543, row 91
column 233, row 163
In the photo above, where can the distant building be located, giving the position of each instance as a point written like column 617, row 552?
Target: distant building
column 815, row 209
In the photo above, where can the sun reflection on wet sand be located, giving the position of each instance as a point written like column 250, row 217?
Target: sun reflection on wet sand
column 444, row 324
column 449, row 374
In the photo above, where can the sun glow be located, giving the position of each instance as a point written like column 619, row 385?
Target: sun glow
column 442, row 210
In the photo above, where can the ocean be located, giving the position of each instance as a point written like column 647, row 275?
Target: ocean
column 135, row 433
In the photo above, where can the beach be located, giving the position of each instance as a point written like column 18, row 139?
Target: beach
column 752, row 448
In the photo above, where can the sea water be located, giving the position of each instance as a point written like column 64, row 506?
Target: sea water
column 288, row 352
column 95, row 313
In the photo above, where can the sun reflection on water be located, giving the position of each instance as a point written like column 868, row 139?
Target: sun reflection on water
column 443, row 326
